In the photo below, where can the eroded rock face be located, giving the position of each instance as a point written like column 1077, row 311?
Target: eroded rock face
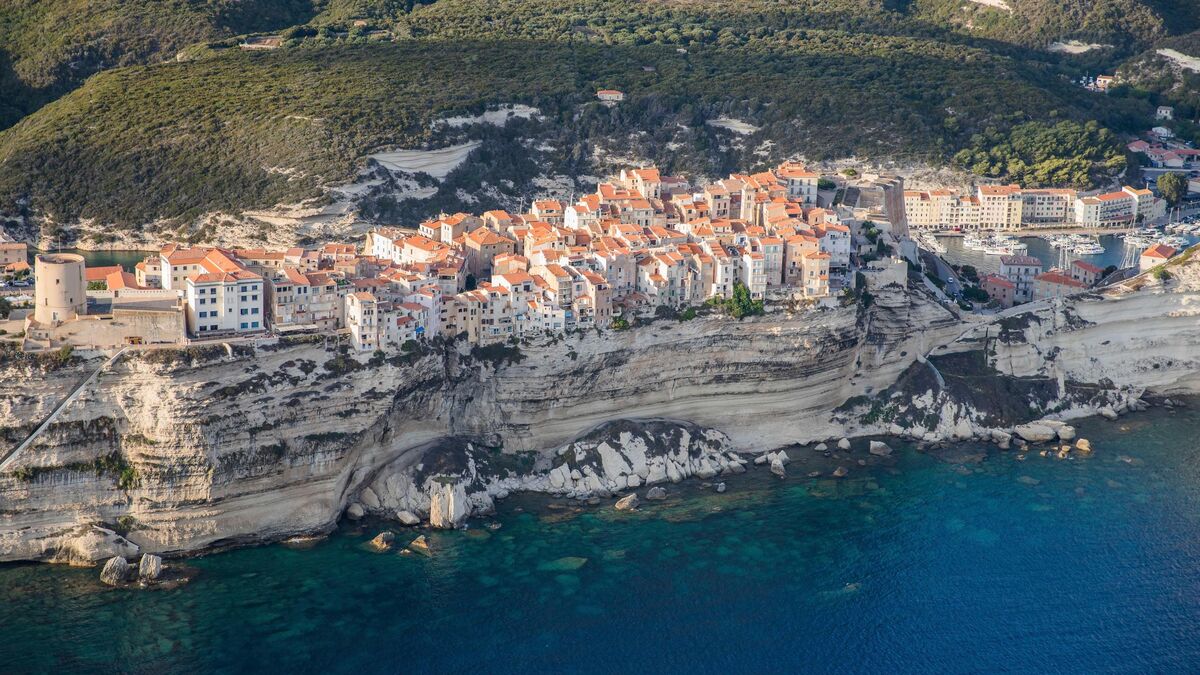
column 115, row 572
column 216, row 443
column 150, row 567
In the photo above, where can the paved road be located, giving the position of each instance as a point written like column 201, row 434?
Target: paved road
column 943, row 271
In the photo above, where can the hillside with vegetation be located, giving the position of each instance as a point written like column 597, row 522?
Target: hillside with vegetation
column 48, row 47
column 223, row 130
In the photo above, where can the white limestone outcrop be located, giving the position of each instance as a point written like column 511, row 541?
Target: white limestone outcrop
column 186, row 449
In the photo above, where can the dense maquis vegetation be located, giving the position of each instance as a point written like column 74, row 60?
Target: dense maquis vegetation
column 182, row 139
column 48, row 47
column 1121, row 23
column 223, row 132
column 1041, row 155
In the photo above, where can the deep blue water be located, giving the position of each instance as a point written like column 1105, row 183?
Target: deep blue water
column 915, row 565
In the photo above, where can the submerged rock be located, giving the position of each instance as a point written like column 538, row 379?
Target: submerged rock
column 656, row 494
column 566, row 564
column 840, row 472
column 627, row 503
column 150, row 568
column 115, row 572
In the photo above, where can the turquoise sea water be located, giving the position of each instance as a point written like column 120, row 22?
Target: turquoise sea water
column 915, row 565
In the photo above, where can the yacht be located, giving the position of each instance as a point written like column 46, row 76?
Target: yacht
column 1088, row 248
column 1006, row 248
column 974, row 241
column 1173, row 241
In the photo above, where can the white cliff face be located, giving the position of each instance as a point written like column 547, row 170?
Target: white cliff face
column 181, row 451
column 1096, row 353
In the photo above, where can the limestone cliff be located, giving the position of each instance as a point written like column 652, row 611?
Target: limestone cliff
column 181, row 450
column 1095, row 353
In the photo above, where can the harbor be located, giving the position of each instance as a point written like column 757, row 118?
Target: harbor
column 1058, row 248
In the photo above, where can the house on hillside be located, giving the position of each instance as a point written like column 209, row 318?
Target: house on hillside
column 610, row 95
column 1055, row 284
column 1085, row 272
column 1155, row 256
column 999, row 289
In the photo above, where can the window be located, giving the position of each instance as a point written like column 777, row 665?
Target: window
column 254, row 324
column 243, row 298
column 254, row 310
column 243, row 325
column 254, row 297
column 213, row 327
column 244, row 312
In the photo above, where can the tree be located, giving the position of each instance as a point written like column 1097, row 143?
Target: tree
column 1172, row 187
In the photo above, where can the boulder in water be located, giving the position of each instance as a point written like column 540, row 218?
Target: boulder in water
column 420, row 545
column 880, row 449
column 1035, row 433
column 656, row 494
column 762, row 459
column 777, row 468
column 150, row 568
column 1066, row 433
column 1108, row 413
column 840, row 472
column 382, row 541
column 720, row 487
column 627, row 503
column 407, row 518
column 821, row 447
column 115, row 572
column 844, row 444
column 1083, row 445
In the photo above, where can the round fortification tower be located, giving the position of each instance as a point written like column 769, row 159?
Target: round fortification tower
column 59, row 291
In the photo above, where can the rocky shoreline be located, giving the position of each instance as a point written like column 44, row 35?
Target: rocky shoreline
column 637, row 484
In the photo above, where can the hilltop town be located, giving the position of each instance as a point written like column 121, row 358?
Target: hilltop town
column 641, row 242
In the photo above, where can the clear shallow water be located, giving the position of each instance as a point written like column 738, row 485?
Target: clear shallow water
column 1087, row 565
